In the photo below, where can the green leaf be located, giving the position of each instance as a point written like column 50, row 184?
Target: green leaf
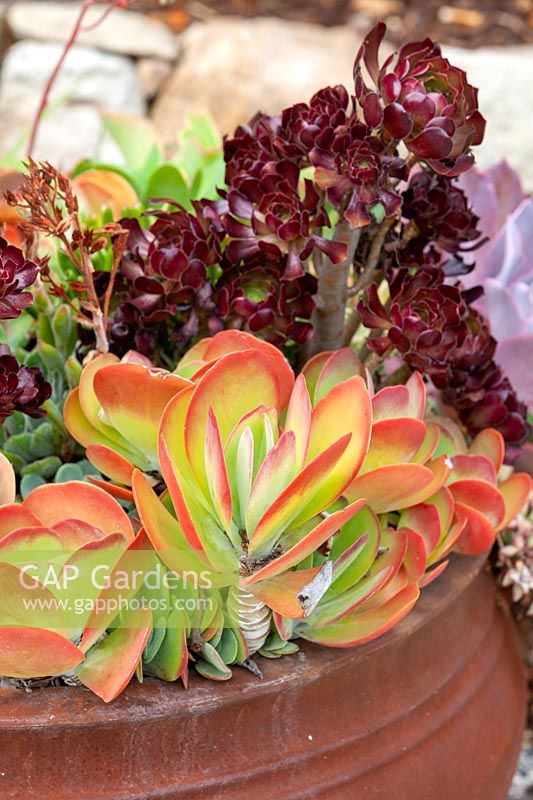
column 167, row 182
column 228, row 647
column 41, row 441
column 135, row 139
column 208, row 670
column 15, row 423
column 19, row 445
column 45, row 467
column 15, row 332
column 73, row 371
column 29, row 483
column 68, row 472
column 378, row 212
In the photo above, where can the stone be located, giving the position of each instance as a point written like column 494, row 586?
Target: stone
column 522, row 788
column 233, row 67
column 504, row 76
column 71, row 128
column 122, row 31
column 152, row 74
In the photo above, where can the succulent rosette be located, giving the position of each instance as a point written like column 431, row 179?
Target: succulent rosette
column 16, row 275
column 21, row 388
column 422, row 100
column 268, row 215
column 64, row 527
column 435, row 329
column 504, row 268
column 440, row 212
column 315, row 508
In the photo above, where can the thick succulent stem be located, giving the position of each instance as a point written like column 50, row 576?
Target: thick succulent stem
column 367, row 277
column 328, row 316
column 252, row 616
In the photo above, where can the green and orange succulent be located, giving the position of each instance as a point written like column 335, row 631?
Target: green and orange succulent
column 309, row 507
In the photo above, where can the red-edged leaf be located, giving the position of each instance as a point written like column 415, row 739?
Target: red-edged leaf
column 341, row 365
column 296, row 496
column 109, row 665
column 489, row 443
column 393, row 441
column 54, row 502
column 477, row 535
column 298, row 420
column 307, row 545
column 416, row 556
column 235, row 385
column 294, row 594
column 217, row 475
column 15, row 516
column 274, row 475
column 432, row 575
column 515, row 491
column 395, row 487
column 110, row 463
column 481, row 496
column 364, row 626
column 36, row 653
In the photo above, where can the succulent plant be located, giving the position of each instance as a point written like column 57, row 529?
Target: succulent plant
column 503, row 267
column 422, row 100
column 65, row 523
column 16, row 275
column 435, row 329
column 297, row 525
column 38, row 444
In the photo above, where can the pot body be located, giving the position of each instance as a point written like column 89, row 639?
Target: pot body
column 435, row 709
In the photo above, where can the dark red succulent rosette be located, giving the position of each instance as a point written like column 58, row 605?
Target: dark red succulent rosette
column 257, row 297
column 21, row 388
column 269, row 216
column 16, row 275
column 434, row 328
column 251, row 147
column 421, row 99
column 439, row 210
column 354, row 169
column 305, row 126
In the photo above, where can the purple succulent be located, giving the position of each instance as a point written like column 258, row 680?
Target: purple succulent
column 16, row 274
column 421, row 99
column 504, row 268
column 269, row 217
column 435, row 329
column 21, row 388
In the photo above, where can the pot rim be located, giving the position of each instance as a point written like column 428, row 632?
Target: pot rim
column 60, row 707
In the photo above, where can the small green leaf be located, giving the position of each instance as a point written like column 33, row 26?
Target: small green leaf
column 19, row 445
column 45, row 467
column 378, row 212
column 41, row 441
column 208, row 670
column 68, row 472
column 73, row 370
column 29, row 483
column 228, row 647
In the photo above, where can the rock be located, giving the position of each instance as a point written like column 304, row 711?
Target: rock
column 504, row 76
column 522, row 787
column 121, row 31
column 152, row 73
column 71, row 128
column 233, row 67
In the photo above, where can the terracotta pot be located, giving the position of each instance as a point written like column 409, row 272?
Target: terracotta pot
column 432, row 711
